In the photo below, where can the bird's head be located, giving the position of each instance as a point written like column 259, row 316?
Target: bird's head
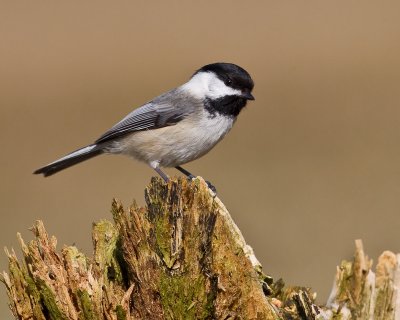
column 226, row 87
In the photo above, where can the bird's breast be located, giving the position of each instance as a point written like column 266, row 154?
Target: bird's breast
column 183, row 142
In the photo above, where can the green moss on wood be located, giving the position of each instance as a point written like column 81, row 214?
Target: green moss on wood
column 184, row 298
column 86, row 305
column 34, row 294
column 105, row 238
column 49, row 300
column 120, row 312
column 163, row 240
column 344, row 282
column 21, row 280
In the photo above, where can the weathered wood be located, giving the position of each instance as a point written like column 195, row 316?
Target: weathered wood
column 181, row 257
column 359, row 293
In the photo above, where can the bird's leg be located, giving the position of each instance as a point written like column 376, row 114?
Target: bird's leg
column 191, row 176
column 162, row 174
column 185, row 172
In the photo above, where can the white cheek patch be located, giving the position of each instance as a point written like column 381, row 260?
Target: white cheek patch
column 207, row 84
column 218, row 89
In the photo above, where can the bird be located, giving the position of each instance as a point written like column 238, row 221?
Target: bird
column 176, row 127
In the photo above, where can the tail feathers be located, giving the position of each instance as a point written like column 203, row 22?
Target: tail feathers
column 70, row 160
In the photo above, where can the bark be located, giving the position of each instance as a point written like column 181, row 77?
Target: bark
column 181, row 257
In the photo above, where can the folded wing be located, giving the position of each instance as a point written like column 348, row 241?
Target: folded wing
column 165, row 110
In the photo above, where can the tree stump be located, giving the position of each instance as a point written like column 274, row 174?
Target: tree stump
column 181, row 257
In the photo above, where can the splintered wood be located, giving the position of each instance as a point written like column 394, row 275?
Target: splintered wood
column 359, row 293
column 181, row 257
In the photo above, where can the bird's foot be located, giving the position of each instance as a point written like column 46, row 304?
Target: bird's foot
column 190, row 177
column 211, row 187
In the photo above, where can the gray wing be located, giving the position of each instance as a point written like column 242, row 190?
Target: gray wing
column 166, row 110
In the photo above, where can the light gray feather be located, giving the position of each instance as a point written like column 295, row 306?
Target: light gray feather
column 165, row 110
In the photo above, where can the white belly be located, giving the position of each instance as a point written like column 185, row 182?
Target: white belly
column 175, row 145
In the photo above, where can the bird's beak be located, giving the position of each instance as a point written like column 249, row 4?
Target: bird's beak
column 247, row 95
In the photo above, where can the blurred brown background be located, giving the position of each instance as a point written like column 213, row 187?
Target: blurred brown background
column 311, row 165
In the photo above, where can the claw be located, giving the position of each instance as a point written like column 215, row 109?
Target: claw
column 191, row 177
column 211, row 186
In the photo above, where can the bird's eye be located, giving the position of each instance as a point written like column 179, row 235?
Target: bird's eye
column 228, row 82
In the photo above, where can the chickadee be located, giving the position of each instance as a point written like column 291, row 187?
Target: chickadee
column 176, row 127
